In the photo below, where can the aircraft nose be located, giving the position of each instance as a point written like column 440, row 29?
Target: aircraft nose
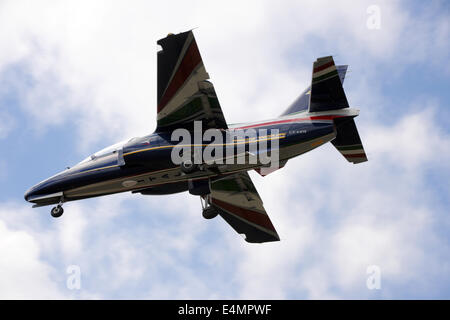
column 46, row 189
column 31, row 192
column 27, row 194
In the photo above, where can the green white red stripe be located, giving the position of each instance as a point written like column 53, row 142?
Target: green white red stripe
column 323, row 69
column 353, row 153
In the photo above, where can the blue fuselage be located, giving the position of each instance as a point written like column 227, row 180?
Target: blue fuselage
column 144, row 164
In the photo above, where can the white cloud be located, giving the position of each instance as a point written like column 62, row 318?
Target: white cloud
column 22, row 274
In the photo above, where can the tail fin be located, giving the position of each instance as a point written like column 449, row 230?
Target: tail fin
column 348, row 142
column 327, row 92
column 302, row 103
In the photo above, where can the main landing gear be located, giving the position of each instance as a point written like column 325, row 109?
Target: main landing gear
column 57, row 211
column 209, row 212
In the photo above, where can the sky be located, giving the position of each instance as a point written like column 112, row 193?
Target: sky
column 76, row 76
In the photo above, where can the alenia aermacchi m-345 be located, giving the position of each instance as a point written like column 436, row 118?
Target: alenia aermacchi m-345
column 143, row 165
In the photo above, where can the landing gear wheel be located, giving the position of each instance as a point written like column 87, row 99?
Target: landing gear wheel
column 57, row 211
column 188, row 166
column 209, row 213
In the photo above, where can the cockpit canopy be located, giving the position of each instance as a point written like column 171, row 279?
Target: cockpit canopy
column 116, row 150
column 107, row 151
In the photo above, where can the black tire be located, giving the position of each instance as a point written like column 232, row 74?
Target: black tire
column 57, row 211
column 210, row 213
column 188, row 166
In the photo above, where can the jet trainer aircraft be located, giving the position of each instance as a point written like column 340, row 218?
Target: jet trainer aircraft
column 143, row 165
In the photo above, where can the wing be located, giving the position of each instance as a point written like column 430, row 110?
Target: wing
column 239, row 204
column 184, row 93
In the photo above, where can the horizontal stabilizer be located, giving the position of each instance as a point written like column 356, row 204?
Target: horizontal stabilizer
column 348, row 142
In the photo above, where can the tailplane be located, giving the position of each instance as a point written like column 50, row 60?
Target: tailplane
column 348, row 142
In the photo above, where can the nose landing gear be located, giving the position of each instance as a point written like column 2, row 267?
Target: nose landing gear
column 58, row 211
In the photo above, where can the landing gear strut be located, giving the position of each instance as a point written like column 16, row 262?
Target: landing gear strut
column 57, row 211
column 209, row 212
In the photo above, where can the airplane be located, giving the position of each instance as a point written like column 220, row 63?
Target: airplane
column 186, row 97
